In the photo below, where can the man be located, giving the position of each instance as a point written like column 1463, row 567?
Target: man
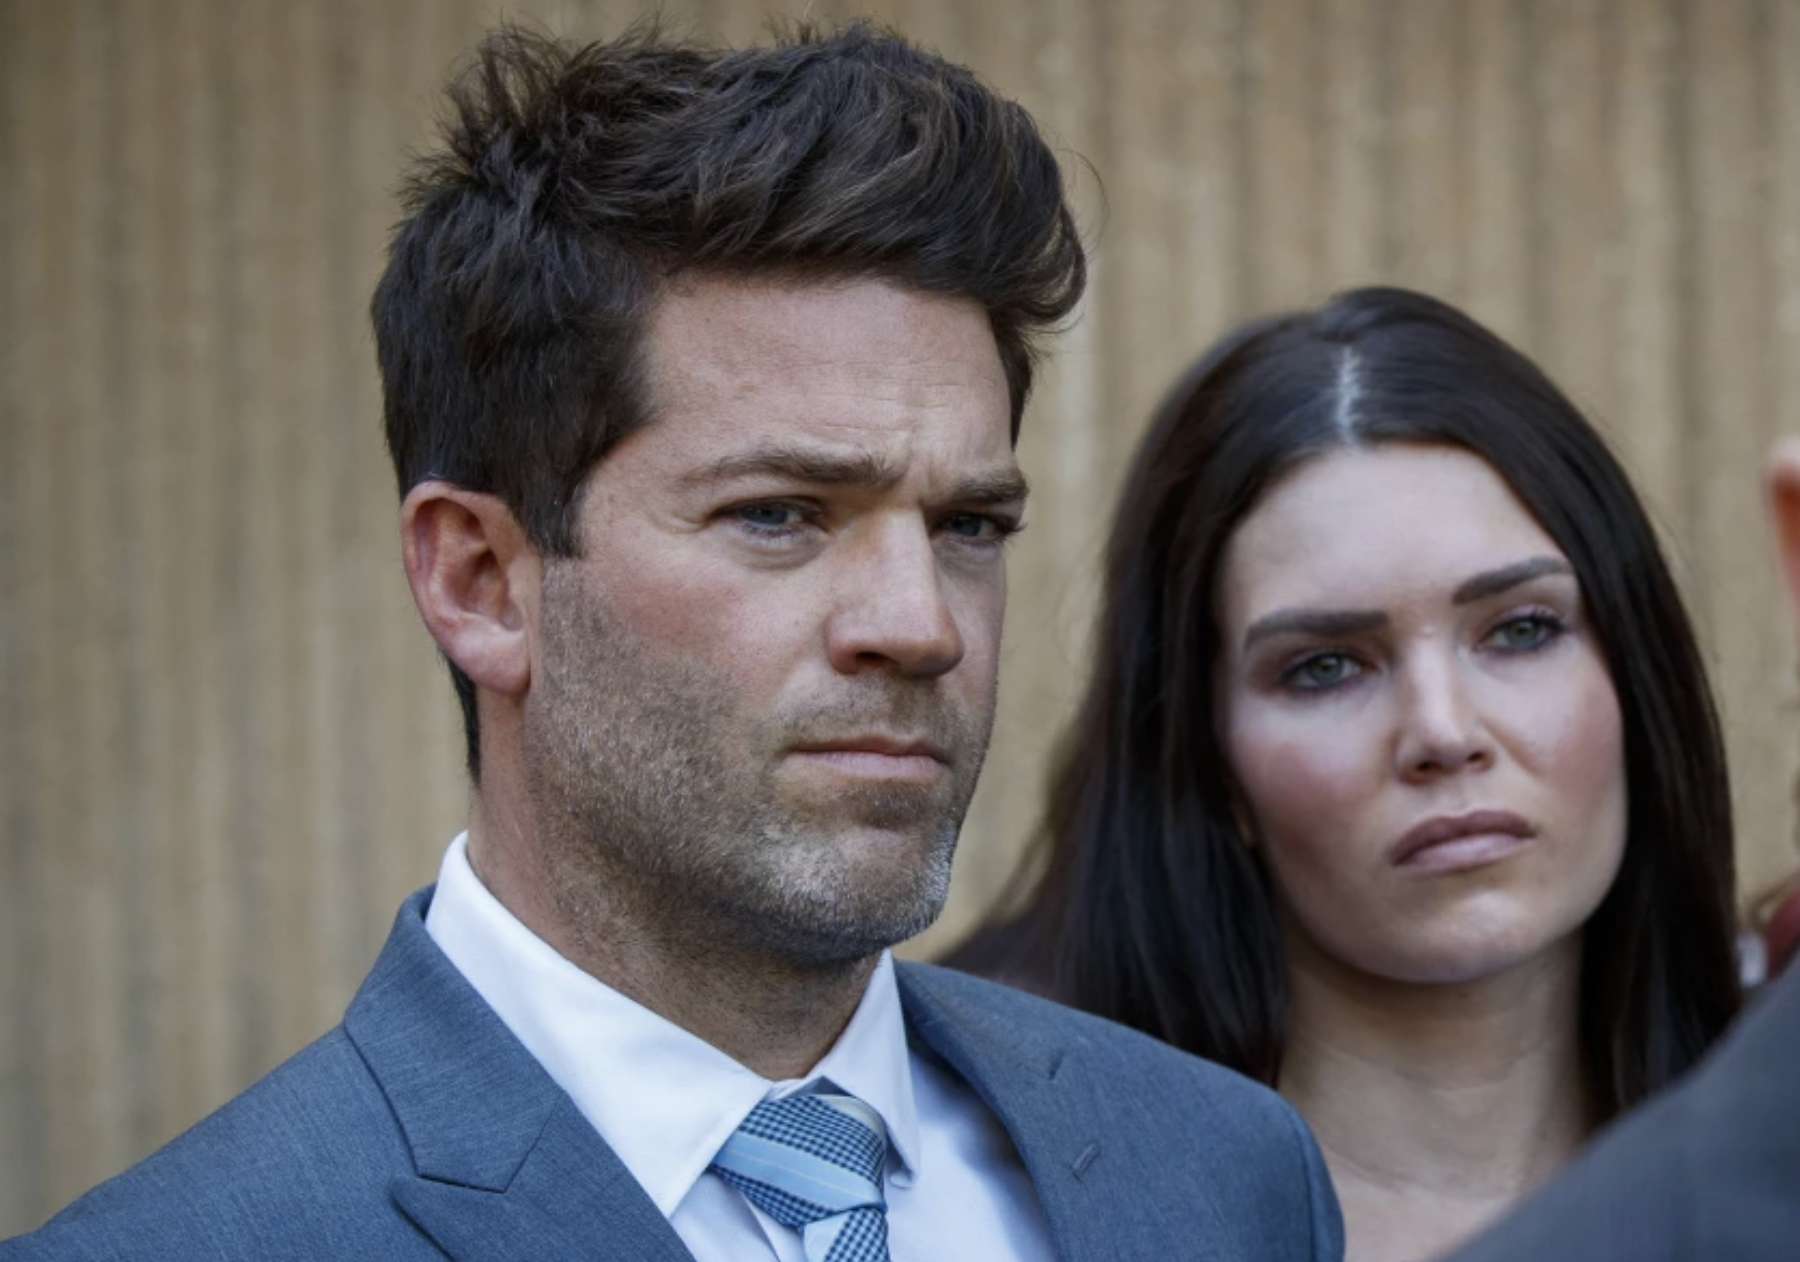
column 703, row 372
column 1710, row 1171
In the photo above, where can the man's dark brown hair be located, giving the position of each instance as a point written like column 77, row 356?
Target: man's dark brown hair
column 575, row 181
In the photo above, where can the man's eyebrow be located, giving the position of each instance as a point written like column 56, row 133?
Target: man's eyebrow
column 1322, row 624
column 856, row 468
column 1008, row 487
column 1493, row 582
column 804, row 464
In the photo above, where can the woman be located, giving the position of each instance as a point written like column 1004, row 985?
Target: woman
column 1398, row 784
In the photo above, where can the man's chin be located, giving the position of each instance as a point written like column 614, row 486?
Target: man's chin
column 825, row 942
column 871, row 809
column 882, row 888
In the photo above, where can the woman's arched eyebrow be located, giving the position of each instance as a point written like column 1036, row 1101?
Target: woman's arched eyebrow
column 1332, row 624
column 1319, row 624
column 1493, row 582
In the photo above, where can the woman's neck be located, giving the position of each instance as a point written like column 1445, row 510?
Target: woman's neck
column 1436, row 1106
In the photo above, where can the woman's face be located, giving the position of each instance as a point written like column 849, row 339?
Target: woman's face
column 1418, row 715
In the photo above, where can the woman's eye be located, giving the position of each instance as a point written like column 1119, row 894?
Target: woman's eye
column 1526, row 632
column 1321, row 670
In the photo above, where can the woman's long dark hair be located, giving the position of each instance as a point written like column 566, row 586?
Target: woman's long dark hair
column 1151, row 911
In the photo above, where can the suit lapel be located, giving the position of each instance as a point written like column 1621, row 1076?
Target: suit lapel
column 570, row 1199
column 505, row 1165
column 1037, row 1086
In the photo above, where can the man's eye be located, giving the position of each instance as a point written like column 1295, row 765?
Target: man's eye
column 979, row 527
column 772, row 516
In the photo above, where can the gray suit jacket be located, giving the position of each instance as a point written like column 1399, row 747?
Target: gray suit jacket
column 420, row 1128
column 1709, row 1172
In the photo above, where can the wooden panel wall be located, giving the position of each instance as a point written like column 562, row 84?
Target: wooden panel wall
column 225, row 748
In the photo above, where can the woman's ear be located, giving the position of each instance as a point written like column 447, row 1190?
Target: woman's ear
column 474, row 577
column 1784, row 509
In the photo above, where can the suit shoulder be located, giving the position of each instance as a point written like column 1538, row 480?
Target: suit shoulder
column 295, row 1166
column 1021, row 1015
column 1178, row 1131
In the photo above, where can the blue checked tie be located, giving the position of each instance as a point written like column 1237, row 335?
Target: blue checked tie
column 813, row 1162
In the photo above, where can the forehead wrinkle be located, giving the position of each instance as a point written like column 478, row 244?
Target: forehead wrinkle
column 737, row 369
column 862, row 469
column 880, row 406
column 807, row 464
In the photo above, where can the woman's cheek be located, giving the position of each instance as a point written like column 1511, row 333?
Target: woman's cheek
column 1305, row 786
column 1568, row 732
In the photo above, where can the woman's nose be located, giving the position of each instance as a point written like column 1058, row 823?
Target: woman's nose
column 1441, row 730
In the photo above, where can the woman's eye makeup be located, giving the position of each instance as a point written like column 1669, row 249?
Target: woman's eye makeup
column 1526, row 630
column 1316, row 672
column 1519, row 632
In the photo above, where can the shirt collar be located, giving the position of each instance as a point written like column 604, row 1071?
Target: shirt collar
column 870, row 1062
column 663, row 1099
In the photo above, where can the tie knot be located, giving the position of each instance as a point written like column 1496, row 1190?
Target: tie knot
column 839, row 1129
column 813, row 1162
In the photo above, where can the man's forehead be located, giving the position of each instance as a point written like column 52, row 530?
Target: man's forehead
column 732, row 334
column 858, row 381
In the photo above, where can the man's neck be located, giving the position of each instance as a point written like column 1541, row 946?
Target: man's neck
column 772, row 1014
column 768, row 1015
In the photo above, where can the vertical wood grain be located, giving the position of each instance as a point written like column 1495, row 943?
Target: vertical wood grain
column 1282, row 170
column 1500, row 144
column 77, row 667
column 22, row 853
column 1731, row 403
column 1574, row 230
column 1426, row 220
column 1770, row 850
column 1350, row 55
column 1646, row 318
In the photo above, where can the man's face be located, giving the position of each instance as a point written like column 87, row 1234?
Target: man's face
column 761, row 694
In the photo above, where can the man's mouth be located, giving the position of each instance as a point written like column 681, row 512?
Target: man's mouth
column 876, row 755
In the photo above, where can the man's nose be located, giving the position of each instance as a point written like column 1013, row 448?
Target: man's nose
column 892, row 612
column 1441, row 728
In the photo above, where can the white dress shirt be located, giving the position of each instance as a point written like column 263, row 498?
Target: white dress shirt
column 665, row 1101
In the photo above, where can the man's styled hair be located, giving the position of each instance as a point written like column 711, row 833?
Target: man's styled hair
column 574, row 181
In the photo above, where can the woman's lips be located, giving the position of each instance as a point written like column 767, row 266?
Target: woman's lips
column 1448, row 843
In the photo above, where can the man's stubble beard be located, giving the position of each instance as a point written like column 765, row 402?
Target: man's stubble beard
column 659, row 811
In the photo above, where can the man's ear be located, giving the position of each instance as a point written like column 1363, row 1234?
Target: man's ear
column 475, row 578
column 1784, row 510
